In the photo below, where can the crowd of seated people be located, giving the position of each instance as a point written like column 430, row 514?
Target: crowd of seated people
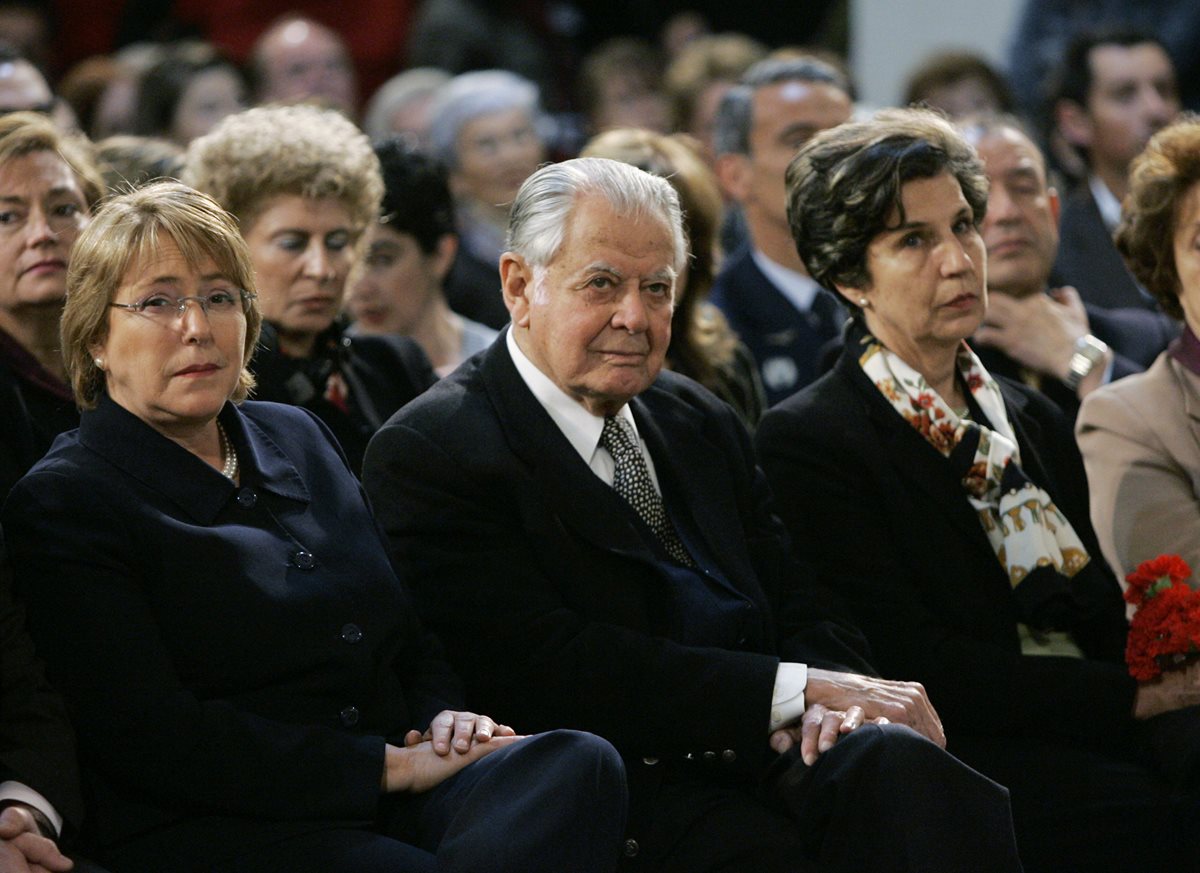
column 765, row 466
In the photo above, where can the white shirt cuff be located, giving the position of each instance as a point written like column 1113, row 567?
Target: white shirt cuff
column 22, row 793
column 787, row 700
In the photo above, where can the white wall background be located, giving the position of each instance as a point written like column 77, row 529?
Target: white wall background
column 888, row 38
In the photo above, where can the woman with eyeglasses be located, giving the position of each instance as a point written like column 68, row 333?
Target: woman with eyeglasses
column 305, row 185
column 249, row 682
column 48, row 185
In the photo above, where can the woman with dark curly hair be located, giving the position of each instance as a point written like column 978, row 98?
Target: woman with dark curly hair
column 1139, row 435
column 949, row 509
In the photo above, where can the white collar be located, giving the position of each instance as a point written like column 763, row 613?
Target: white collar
column 1106, row 202
column 798, row 288
column 580, row 427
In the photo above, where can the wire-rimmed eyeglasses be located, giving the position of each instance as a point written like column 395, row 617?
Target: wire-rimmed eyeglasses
column 166, row 308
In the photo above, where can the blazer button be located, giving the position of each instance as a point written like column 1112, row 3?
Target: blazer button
column 304, row 560
column 709, row 757
column 729, row 756
column 649, row 762
column 246, row 498
column 352, row 633
column 349, row 716
column 631, row 848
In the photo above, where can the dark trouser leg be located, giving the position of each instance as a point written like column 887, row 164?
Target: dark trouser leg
column 334, row 851
column 1078, row 810
column 82, row 865
column 699, row 827
column 554, row 802
column 887, row 798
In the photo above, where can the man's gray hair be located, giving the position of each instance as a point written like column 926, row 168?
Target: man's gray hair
column 538, row 218
column 731, row 128
column 471, row 95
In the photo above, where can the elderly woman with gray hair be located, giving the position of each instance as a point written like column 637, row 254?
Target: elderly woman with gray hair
column 484, row 127
column 949, row 509
column 305, row 186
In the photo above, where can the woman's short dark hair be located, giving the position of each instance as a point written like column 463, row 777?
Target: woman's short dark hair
column 845, row 184
column 416, row 195
column 164, row 84
column 1159, row 180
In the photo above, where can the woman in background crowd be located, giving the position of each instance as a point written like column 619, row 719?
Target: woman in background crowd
column 187, row 92
column 397, row 286
column 484, row 127
column 305, row 186
column 1139, row 435
column 48, row 186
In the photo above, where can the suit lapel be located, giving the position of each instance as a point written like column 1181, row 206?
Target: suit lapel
column 570, row 488
column 674, row 434
column 906, row 452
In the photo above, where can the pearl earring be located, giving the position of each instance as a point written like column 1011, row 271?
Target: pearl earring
column 99, row 362
column 863, row 302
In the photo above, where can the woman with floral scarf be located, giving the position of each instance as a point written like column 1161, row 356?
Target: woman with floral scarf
column 949, row 509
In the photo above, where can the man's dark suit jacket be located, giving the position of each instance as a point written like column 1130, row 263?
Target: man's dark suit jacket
column 1088, row 259
column 1136, row 337
column 786, row 343
column 545, row 594
column 37, row 747
column 885, row 520
column 234, row 657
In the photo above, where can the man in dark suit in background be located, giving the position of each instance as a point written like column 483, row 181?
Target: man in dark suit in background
column 781, row 314
column 1046, row 337
column 592, row 540
column 1114, row 90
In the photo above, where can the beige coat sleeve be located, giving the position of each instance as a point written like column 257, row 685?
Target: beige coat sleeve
column 1139, row 442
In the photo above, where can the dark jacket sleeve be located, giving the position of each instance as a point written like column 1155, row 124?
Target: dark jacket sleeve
column 546, row 630
column 76, row 559
column 37, row 745
column 924, row 591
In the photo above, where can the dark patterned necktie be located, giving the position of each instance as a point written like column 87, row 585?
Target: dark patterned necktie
column 631, row 479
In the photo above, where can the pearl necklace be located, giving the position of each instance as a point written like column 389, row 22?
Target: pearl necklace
column 228, row 455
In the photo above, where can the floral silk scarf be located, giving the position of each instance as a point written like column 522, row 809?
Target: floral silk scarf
column 1026, row 530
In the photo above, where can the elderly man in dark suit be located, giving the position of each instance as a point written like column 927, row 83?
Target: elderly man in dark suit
column 1049, row 338
column 592, row 539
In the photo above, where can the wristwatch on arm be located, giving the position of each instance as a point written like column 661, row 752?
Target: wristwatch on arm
column 1088, row 354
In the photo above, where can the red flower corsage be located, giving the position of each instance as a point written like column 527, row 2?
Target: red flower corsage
column 1165, row 630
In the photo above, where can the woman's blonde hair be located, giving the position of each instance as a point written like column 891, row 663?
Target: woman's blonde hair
column 128, row 231
column 261, row 153
column 26, row 133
